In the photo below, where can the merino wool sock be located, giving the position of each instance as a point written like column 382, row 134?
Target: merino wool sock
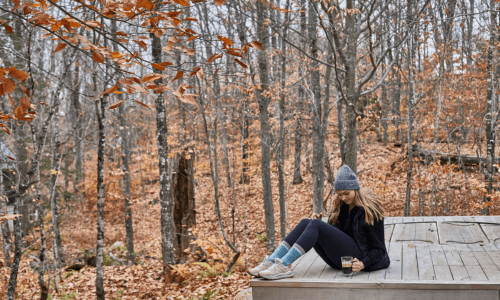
column 280, row 251
column 292, row 255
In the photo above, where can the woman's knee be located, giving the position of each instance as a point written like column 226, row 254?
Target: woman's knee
column 316, row 222
column 304, row 221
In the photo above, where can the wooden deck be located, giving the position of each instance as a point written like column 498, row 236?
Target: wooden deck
column 438, row 258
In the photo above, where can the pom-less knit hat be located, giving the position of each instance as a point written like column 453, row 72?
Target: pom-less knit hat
column 346, row 179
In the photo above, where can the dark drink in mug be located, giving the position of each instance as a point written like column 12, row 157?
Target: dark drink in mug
column 347, row 265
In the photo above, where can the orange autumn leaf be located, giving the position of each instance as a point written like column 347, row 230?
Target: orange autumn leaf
column 139, row 102
column 182, row 2
column 214, row 57
column 12, row 102
column 97, row 56
column 241, row 63
column 25, row 90
column 8, row 28
column 179, row 75
column 115, row 105
column 25, row 103
column 200, row 74
column 59, row 47
column 143, row 3
column 158, row 66
column 192, row 38
column 8, row 85
column 257, row 45
column 19, row 112
column 225, row 40
column 218, row 2
column 110, row 90
column 141, row 44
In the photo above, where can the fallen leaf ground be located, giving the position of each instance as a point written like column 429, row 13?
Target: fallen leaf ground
column 383, row 169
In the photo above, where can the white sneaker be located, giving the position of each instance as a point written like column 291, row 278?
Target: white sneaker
column 264, row 265
column 277, row 271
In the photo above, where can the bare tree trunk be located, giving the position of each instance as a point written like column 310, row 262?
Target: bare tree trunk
column 44, row 290
column 100, row 112
column 490, row 113
column 318, row 165
column 56, row 166
column 166, row 201
column 351, row 145
column 297, row 176
column 265, row 141
column 18, row 251
column 77, row 129
column 22, row 169
column 125, row 132
column 410, row 117
column 383, row 98
column 6, row 241
column 184, row 208
column 41, row 220
column 281, row 142
column 125, row 158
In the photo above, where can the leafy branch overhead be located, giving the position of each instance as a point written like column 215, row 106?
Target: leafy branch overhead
column 70, row 27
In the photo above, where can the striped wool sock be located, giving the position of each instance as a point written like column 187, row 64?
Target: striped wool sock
column 280, row 251
column 295, row 252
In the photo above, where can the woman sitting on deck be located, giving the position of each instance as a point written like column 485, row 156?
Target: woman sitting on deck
column 355, row 228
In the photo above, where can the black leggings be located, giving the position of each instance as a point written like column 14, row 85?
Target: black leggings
column 329, row 242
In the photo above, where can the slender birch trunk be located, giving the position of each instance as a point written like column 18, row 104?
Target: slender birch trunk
column 56, row 166
column 100, row 113
column 166, row 201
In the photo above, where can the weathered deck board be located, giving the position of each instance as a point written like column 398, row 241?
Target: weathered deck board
column 410, row 271
column 316, row 268
column 303, row 266
column 388, row 230
column 431, row 258
column 424, row 260
column 328, row 273
column 395, row 254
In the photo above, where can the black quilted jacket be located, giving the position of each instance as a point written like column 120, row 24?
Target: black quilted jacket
column 369, row 238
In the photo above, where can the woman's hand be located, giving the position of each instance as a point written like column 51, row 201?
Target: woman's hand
column 316, row 216
column 357, row 265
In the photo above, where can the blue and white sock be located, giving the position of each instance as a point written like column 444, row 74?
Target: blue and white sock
column 280, row 251
column 292, row 255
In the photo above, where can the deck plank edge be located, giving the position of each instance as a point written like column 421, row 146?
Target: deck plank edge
column 377, row 284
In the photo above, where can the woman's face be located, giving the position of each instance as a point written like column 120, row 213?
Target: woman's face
column 347, row 196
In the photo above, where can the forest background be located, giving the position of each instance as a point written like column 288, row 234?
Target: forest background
column 156, row 149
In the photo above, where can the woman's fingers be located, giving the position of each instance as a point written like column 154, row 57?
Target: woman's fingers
column 356, row 267
column 316, row 216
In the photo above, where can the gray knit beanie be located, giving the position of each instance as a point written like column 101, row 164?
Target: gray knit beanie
column 346, row 179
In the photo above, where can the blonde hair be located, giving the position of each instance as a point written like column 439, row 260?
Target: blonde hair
column 364, row 198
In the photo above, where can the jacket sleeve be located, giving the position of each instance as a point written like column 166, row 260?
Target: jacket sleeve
column 375, row 244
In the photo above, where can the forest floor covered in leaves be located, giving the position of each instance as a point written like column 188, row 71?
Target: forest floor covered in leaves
column 381, row 168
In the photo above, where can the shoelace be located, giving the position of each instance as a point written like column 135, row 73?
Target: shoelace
column 264, row 262
column 275, row 265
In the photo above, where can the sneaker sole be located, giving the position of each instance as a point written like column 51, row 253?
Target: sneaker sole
column 253, row 274
column 278, row 276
